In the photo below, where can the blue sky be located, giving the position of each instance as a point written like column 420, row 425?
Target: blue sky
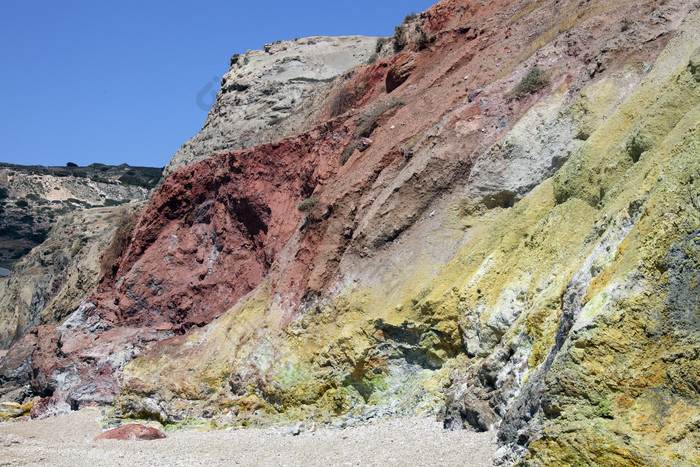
column 114, row 82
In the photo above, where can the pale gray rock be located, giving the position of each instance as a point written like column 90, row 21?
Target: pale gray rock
column 268, row 94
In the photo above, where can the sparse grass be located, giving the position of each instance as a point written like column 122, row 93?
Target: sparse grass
column 367, row 122
column 347, row 152
column 423, row 40
column 380, row 43
column 307, row 204
column 312, row 80
column 341, row 102
column 117, row 248
column 535, row 80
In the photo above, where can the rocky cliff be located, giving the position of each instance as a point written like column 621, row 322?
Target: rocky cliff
column 32, row 198
column 54, row 224
column 499, row 224
column 269, row 94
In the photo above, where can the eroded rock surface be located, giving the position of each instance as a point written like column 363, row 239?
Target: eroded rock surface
column 517, row 261
column 132, row 432
column 268, row 94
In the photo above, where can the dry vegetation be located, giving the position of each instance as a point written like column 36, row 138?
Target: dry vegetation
column 116, row 249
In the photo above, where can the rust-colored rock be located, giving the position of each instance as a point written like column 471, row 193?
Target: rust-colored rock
column 218, row 229
column 132, row 432
column 363, row 144
column 400, row 72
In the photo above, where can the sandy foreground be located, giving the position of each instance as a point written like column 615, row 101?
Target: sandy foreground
column 68, row 440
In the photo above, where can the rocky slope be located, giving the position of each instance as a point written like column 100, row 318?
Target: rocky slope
column 267, row 94
column 51, row 281
column 55, row 223
column 500, row 224
column 32, row 198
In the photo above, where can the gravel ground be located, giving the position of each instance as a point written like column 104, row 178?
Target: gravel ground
column 68, row 440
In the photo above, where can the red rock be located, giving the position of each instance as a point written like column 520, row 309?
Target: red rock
column 400, row 72
column 363, row 144
column 132, row 432
column 216, row 229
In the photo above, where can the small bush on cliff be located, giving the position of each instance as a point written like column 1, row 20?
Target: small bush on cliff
column 423, row 40
column 380, row 43
column 535, row 80
column 367, row 122
column 399, row 38
column 341, row 103
column 347, row 152
column 409, row 17
column 349, row 95
column 307, row 204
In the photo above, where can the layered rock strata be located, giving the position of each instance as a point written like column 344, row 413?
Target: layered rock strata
column 515, row 256
column 269, row 94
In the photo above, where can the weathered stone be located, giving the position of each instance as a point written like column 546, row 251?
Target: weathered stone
column 132, row 432
column 268, row 94
column 363, row 144
column 539, row 280
column 401, row 70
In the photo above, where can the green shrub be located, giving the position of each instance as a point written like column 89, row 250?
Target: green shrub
column 136, row 181
column 96, row 178
column 423, row 40
column 380, row 43
column 367, row 122
column 535, row 80
column 307, row 204
column 409, row 17
column 38, row 235
column 33, row 197
column 3, row 192
column 20, row 203
column 399, row 38
column 78, row 245
column 114, row 202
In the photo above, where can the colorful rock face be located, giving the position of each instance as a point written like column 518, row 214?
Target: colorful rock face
column 523, row 258
column 132, row 432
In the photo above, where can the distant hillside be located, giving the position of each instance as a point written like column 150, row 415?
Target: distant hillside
column 32, row 198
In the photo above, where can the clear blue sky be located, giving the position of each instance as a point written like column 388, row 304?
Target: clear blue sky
column 117, row 81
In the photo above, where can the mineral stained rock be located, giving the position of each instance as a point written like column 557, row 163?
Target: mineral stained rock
column 132, row 432
column 269, row 94
column 519, row 262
